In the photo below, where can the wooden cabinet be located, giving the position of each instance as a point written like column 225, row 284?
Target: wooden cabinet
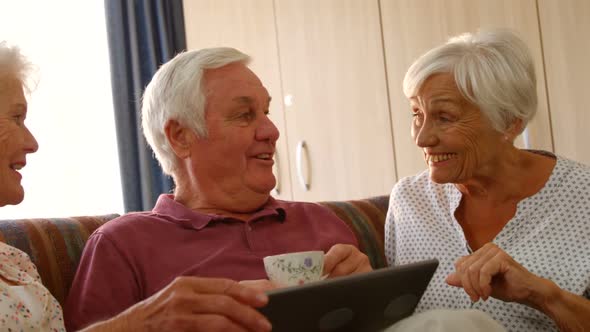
column 412, row 27
column 335, row 71
column 565, row 27
column 333, row 77
column 249, row 26
column 333, row 88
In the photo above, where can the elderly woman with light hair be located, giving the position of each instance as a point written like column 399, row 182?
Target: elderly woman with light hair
column 26, row 305
column 509, row 226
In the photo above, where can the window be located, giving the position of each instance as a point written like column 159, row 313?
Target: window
column 76, row 170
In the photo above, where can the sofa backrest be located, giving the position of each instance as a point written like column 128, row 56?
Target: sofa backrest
column 55, row 244
column 366, row 218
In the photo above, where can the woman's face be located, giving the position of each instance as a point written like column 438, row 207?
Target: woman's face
column 15, row 140
column 457, row 139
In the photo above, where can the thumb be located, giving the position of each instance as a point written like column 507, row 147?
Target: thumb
column 453, row 280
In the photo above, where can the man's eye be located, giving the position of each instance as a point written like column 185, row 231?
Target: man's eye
column 247, row 115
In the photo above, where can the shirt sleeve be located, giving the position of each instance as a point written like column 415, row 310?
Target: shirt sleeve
column 105, row 284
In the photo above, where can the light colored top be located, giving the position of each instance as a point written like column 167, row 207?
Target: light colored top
column 447, row 320
column 25, row 304
column 549, row 235
column 130, row 258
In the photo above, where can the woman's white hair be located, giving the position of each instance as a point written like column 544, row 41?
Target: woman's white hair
column 176, row 93
column 493, row 69
column 14, row 64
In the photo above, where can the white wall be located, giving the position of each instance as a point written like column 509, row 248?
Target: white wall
column 76, row 170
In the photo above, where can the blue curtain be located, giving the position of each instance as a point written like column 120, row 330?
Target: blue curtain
column 142, row 35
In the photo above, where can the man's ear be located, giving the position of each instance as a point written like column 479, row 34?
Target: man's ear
column 179, row 137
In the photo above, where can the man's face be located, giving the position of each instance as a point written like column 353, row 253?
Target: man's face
column 237, row 155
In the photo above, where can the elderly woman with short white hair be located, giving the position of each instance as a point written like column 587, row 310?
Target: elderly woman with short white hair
column 509, row 226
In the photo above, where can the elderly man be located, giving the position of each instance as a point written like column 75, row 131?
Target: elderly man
column 205, row 115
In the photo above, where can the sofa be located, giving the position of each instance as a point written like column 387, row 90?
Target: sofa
column 55, row 244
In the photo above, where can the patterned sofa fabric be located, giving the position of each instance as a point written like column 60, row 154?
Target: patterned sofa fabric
column 55, row 244
column 366, row 218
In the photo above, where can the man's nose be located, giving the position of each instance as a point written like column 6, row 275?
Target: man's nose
column 267, row 131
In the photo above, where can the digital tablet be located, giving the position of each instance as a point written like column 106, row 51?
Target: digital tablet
column 364, row 302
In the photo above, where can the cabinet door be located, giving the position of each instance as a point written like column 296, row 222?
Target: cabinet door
column 412, row 27
column 565, row 27
column 247, row 25
column 334, row 83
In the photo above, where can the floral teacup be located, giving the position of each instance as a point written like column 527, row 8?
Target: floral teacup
column 295, row 268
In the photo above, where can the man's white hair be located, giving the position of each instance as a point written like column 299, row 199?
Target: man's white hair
column 493, row 69
column 176, row 93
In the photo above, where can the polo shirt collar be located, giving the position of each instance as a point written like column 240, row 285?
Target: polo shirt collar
column 177, row 213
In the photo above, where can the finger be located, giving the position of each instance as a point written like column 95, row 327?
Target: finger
column 492, row 268
column 460, row 261
column 355, row 263
column 335, row 255
column 453, row 279
column 462, row 273
column 483, row 256
column 361, row 263
column 202, row 323
column 364, row 266
column 228, row 307
column 242, row 293
column 262, row 285
column 466, row 284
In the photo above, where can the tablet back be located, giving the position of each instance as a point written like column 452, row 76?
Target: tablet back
column 362, row 302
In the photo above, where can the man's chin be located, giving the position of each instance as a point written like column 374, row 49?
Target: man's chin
column 264, row 187
column 264, row 191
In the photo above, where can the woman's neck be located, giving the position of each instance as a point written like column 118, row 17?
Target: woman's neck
column 517, row 175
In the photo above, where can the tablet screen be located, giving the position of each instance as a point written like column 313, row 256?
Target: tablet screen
column 361, row 302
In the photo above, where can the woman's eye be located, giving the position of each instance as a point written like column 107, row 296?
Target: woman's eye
column 417, row 118
column 445, row 118
column 19, row 119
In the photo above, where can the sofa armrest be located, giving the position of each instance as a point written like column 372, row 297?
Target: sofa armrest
column 366, row 218
column 54, row 245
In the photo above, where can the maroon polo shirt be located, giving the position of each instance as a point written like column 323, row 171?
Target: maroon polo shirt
column 134, row 256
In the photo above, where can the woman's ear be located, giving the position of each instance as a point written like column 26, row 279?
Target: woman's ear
column 515, row 129
column 179, row 137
